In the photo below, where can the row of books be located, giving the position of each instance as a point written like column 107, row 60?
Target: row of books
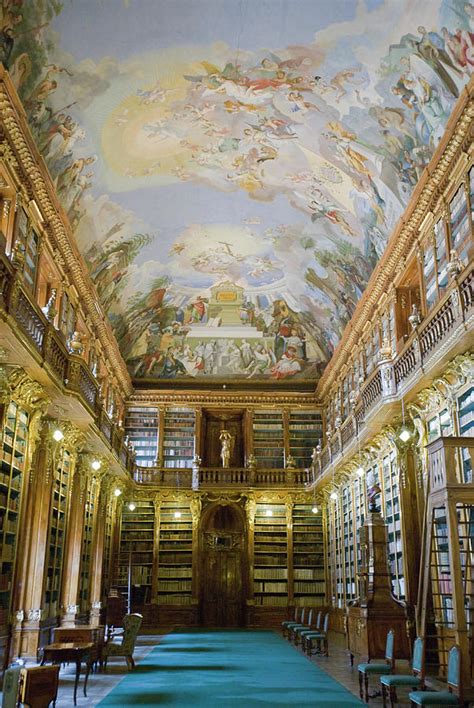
column 174, row 572
column 309, row 587
column 270, row 574
column 174, row 585
column 270, row 587
column 270, row 600
column 308, row 574
column 166, row 599
column 178, row 558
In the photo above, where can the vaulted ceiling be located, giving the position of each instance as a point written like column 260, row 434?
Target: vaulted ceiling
column 232, row 169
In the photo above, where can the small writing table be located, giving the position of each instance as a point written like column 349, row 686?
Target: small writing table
column 77, row 652
column 83, row 633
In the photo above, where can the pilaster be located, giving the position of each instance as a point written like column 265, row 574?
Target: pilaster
column 72, row 556
column 98, row 540
column 33, row 521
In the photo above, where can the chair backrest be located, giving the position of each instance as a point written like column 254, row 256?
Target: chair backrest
column 296, row 614
column 131, row 625
column 454, row 670
column 318, row 620
column 389, row 647
column 418, row 664
column 303, row 614
column 326, row 623
column 310, row 616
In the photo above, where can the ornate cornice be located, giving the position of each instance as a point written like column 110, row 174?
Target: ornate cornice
column 20, row 151
column 159, row 398
column 434, row 181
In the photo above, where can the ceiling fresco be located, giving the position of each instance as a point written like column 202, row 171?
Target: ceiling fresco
column 232, row 169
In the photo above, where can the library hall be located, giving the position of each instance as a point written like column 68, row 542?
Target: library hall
column 236, row 353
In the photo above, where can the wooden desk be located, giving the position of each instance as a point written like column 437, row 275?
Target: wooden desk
column 83, row 633
column 63, row 652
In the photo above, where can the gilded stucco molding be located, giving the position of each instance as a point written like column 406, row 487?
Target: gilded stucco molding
column 275, row 400
column 430, row 190
column 26, row 392
column 21, row 153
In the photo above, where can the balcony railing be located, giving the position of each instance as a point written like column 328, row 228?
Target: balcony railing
column 393, row 377
column 209, row 477
column 69, row 370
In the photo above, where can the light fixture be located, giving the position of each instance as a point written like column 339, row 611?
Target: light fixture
column 360, row 471
column 96, row 464
column 117, row 492
column 132, row 506
column 177, row 514
column 333, row 496
column 404, row 433
column 58, row 435
column 269, row 512
column 315, row 509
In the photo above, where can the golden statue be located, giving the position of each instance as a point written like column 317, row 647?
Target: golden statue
column 227, row 442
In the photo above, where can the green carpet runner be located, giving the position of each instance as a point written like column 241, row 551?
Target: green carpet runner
column 227, row 668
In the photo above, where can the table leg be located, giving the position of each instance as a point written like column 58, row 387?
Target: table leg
column 78, row 672
column 88, row 669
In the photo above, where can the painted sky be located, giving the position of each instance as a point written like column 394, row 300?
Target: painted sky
column 270, row 144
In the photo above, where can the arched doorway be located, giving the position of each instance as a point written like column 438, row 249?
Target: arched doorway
column 222, row 575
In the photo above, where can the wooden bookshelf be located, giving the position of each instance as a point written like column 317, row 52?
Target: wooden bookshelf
column 270, row 579
column 336, row 557
column 12, row 466
column 135, row 564
column 350, row 566
column 309, row 589
column 466, row 428
column 57, row 534
column 27, row 243
column 268, row 438
column 392, row 517
column 106, row 558
column 141, row 426
column 86, row 551
column 305, row 430
column 175, row 554
column 179, row 437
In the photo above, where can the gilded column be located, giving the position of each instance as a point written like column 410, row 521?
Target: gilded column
column 250, row 509
column 289, row 550
column 73, row 550
column 32, row 535
column 98, row 540
column 196, row 510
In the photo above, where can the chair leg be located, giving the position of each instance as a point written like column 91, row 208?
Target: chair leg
column 366, row 687
column 384, row 695
column 325, row 646
column 361, row 679
column 132, row 663
column 393, row 696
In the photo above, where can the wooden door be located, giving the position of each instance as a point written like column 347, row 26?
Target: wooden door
column 222, row 566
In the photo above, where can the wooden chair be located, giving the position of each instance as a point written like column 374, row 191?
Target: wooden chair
column 453, row 695
column 131, row 625
column 377, row 668
column 38, row 686
column 318, row 638
column 290, row 625
column 298, row 628
column 285, row 623
column 414, row 680
column 317, row 628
